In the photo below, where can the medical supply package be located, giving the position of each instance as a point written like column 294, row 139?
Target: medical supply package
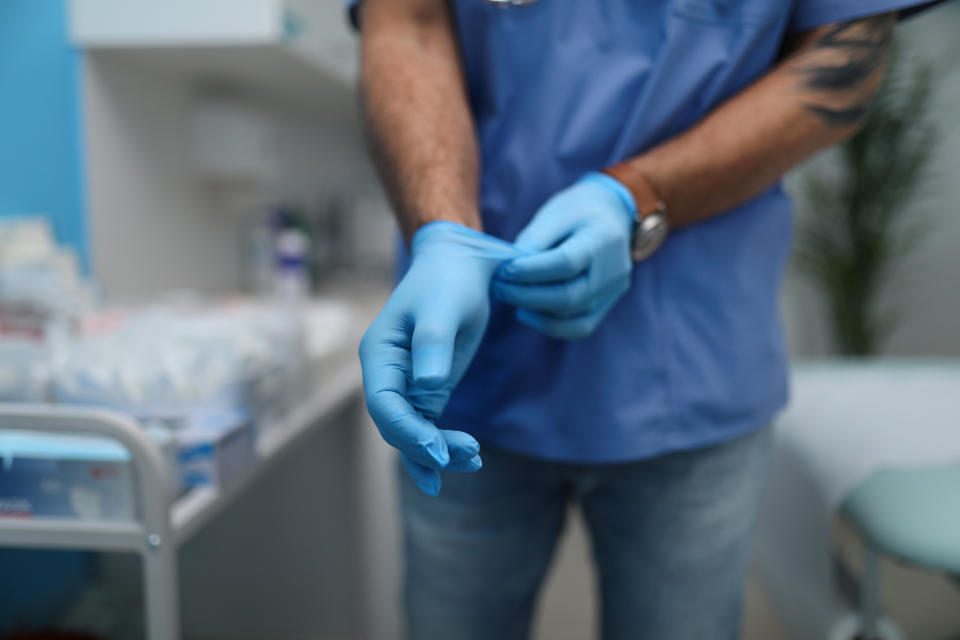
column 55, row 475
column 215, row 449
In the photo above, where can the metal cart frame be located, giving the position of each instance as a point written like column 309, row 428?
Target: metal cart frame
column 162, row 526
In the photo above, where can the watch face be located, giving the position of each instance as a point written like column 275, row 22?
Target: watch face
column 648, row 235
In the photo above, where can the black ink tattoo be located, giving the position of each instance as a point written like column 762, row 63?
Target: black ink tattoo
column 839, row 117
column 843, row 60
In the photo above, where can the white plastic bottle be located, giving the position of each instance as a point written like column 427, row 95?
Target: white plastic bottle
column 292, row 273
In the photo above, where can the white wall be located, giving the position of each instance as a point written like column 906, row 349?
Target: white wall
column 149, row 229
column 153, row 226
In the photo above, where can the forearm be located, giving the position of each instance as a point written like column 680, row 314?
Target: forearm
column 815, row 97
column 416, row 114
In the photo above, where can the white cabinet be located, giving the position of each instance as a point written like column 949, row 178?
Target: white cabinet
column 284, row 47
column 327, row 37
column 233, row 144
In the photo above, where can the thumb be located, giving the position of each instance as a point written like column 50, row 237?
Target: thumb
column 546, row 229
column 432, row 347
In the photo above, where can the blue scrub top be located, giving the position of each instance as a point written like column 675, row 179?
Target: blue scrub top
column 693, row 353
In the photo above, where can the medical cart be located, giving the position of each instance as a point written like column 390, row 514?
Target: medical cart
column 162, row 527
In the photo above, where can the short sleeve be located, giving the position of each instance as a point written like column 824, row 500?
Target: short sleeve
column 809, row 14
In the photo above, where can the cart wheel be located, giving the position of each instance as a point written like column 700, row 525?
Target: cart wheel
column 849, row 628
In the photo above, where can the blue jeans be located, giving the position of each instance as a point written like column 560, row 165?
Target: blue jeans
column 671, row 538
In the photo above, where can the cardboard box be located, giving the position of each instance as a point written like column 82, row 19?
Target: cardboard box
column 215, row 448
column 48, row 475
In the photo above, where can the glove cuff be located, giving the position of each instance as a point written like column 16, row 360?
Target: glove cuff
column 445, row 231
column 620, row 190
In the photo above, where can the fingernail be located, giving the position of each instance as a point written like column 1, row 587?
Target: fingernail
column 432, row 368
column 431, row 381
column 476, row 463
column 472, row 449
column 438, row 451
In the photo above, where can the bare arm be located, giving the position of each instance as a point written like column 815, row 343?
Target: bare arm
column 417, row 117
column 816, row 96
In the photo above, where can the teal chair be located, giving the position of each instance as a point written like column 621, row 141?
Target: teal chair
column 912, row 515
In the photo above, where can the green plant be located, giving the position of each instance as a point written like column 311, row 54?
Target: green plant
column 858, row 229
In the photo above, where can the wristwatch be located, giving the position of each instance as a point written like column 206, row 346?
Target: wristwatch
column 651, row 227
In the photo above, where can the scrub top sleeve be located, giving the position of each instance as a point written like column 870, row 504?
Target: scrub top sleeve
column 809, row 14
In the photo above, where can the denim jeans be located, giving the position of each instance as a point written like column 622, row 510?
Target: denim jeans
column 671, row 541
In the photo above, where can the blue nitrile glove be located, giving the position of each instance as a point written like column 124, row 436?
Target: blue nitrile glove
column 418, row 348
column 579, row 259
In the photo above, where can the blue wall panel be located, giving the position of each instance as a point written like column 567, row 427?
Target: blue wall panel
column 41, row 168
column 41, row 171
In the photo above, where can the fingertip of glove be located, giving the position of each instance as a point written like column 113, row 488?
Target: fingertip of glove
column 431, row 366
column 437, row 449
column 461, row 445
column 431, row 380
column 466, row 452
column 429, row 485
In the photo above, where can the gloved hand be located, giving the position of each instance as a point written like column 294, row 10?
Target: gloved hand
column 418, row 348
column 579, row 259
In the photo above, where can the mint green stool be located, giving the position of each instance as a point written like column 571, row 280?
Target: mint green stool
column 912, row 515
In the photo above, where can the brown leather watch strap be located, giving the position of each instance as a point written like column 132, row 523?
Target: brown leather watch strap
column 644, row 194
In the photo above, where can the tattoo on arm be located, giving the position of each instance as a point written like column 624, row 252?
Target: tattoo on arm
column 840, row 117
column 843, row 67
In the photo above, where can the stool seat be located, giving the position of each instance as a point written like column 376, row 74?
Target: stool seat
column 911, row 514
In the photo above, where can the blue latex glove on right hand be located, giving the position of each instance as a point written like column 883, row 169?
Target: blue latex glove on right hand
column 420, row 345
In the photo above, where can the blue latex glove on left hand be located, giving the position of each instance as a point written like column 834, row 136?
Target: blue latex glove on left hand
column 420, row 345
column 576, row 261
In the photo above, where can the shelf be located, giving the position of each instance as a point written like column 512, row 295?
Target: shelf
column 294, row 49
column 192, row 511
column 68, row 533
column 162, row 528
